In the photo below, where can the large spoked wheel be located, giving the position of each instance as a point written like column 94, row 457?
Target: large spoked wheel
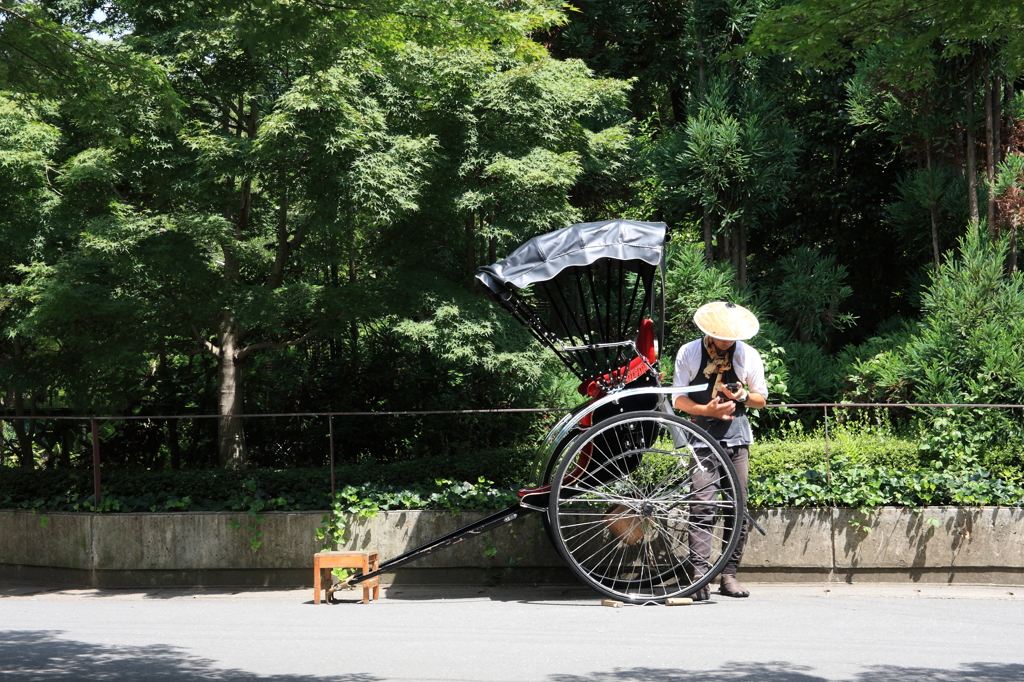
column 643, row 507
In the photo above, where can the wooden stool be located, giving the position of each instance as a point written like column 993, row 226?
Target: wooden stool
column 324, row 561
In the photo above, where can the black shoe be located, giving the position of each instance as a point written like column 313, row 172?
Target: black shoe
column 731, row 587
column 703, row 594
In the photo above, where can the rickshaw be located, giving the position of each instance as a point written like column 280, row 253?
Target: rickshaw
column 626, row 489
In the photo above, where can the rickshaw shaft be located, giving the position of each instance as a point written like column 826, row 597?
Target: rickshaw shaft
column 476, row 528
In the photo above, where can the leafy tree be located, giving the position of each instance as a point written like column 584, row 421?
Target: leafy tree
column 968, row 349
column 827, row 32
column 935, row 194
column 1007, row 185
column 26, row 145
column 292, row 179
column 913, row 48
column 733, row 159
column 965, row 349
column 811, row 294
column 690, row 282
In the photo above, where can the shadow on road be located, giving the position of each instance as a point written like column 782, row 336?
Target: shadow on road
column 781, row 671
column 40, row 656
column 16, row 589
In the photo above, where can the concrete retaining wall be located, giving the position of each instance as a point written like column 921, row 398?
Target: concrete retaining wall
column 937, row 544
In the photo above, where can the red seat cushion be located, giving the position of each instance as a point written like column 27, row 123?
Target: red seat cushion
column 636, row 367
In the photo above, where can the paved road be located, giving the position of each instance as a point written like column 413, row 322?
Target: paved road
column 544, row 634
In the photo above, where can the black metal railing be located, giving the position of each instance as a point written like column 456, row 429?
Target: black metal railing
column 96, row 458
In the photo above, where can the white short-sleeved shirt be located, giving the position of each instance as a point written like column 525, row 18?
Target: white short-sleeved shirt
column 745, row 360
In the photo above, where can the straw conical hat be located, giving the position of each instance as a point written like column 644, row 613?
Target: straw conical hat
column 726, row 321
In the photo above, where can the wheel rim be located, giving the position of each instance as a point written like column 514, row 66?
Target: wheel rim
column 630, row 504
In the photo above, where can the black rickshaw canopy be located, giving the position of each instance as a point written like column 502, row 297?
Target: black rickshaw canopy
column 544, row 257
column 587, row 291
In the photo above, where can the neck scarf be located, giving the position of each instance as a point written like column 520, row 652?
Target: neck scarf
column 720, row 362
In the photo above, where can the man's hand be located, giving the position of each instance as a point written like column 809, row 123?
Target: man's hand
column 753, row 400
column 740, row 392
column 720, row 409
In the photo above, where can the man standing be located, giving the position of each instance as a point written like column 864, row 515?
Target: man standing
column 718, row 360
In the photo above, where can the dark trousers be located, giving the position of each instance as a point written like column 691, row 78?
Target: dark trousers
column 702, row 517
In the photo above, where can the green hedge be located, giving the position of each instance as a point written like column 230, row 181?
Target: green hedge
column 202, row 490
column 863, row 471
column 774, row 457
column 274, row 489
column 864, row 467
column 214, row 490
column 847, row 482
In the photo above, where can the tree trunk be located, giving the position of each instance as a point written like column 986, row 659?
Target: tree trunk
column 231, row 449
column 997, row 114
column 283, row 249
column 1012, row 222
column 230, row 426
column 174, row 444
column 990, row 158
column 677, row 99
column 3, row 438
column 1011, row 261
column 700, row 65
column 743, row 256
column 736, row 252
column 26, row 459
column 972, row 159
column 471, row 244
column 933, row 212
column 836, row 211
column 353, row 326
column 705, row 221
column 25, row 456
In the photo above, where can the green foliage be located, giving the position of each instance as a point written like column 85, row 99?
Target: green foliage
column 876, row 370
column 813, row 375
column 811, row 293
column 1009, row 175
column 899, row 97
column 793, row 449
column 863, row 465
column 965, row 350
column 690, row 283
column 921, row 191
column 734, row 157
column 913, row 104
column 258, row 490
column 310, row 188
column 852, row 484
column 827, row 33
column 254, row 491
column 968, row 351
column 777, row 372
column 866, row 466
column 281, row 175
